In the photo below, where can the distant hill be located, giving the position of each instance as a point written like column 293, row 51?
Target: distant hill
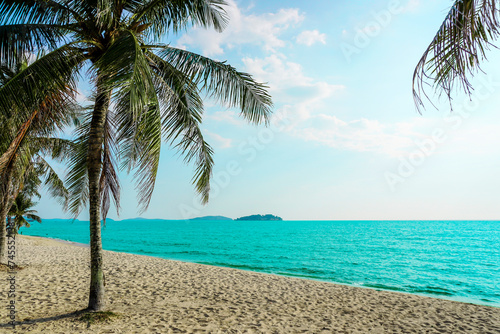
column 212, row 218
column 260, row 217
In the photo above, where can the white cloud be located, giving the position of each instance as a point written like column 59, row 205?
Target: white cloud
column 310, row 37
column 228, row 116
column 288, row 84
column 285, row 77
column 362, row 135
column 306, row 102
column 411, row 6
column 220, row 141
column 263, row 30
column 398, row 139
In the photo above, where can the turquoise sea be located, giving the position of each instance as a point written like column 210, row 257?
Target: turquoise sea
column 458, row 260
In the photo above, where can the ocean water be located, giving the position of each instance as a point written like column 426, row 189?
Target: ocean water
column 457, row 260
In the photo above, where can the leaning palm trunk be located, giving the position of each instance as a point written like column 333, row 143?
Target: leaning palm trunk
column 6, row 170
column 96, row 296
column 9, row 155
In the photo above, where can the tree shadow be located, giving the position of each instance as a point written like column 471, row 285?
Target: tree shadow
column 6, row 268
column 47, row 319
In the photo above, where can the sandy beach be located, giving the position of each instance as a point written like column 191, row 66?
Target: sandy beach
column 153, row 295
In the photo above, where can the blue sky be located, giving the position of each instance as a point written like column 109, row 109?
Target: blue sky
column 346, row 141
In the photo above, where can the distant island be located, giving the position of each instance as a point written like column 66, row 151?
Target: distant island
column 260, row 217
column 267, row 217
column 211, row 218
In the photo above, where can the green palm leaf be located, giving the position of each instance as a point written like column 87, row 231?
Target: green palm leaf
column 109, row 183
column 34, row 217
column 458, row 48
column 77, row 178
column 54, row 114
column 124, row 70
column 182, row 110
column 160, row 16
column 49, row 75
column 22, row 39
column 38, row 11
column 138, row 122
column 223, row 82
column 54, row 185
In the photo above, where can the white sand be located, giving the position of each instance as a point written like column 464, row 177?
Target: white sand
column 160, row 296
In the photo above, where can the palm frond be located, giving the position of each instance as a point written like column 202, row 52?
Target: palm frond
column 57, row 113
column 194, row 147
column 138, row 123
column 457, row 50
column 55, row 186
column 47, row 76
column 29, row 179
column 77, row 181
column 124, row 69
column 140, row 150
column 223, row 82
column 37, row 11
column 24, row 39
column 34, row 217
column 8, row 156
column 77, row 178
column 106, row 11
column 21, row 208
column 109, row 183
column 58, row 149
column 20, row 221
column 182, row 110
column 53, row 114
column 165, row 15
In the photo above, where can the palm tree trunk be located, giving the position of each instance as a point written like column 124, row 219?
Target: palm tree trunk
column 94, row 164
column 6, row 161
column 10, row 153
column 5, row 204
column 3, row 232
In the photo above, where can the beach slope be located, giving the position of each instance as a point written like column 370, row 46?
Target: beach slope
column 153, row 295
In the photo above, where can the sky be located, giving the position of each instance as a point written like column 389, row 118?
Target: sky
column 346, row 141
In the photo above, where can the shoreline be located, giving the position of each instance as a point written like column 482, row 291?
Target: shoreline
column 465, row 300
column 154, row 295
column 65, row 242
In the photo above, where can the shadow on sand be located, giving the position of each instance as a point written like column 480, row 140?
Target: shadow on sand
column 47, row 319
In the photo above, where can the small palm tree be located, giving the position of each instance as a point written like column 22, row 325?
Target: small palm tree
column 21, row 212
column 458, row 48
column 155, row 90
column 30, row 170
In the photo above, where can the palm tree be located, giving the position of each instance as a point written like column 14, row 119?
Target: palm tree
column 458, row 48
column 20, row 155
column 30, row 164
column 155, row 90
column 20, row 214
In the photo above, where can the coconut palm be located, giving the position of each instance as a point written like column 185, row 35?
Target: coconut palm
column 458, row 48
column 30, row 163
column 20, row 155
column 21, row 212
column 48, row 115
column 144, row 91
